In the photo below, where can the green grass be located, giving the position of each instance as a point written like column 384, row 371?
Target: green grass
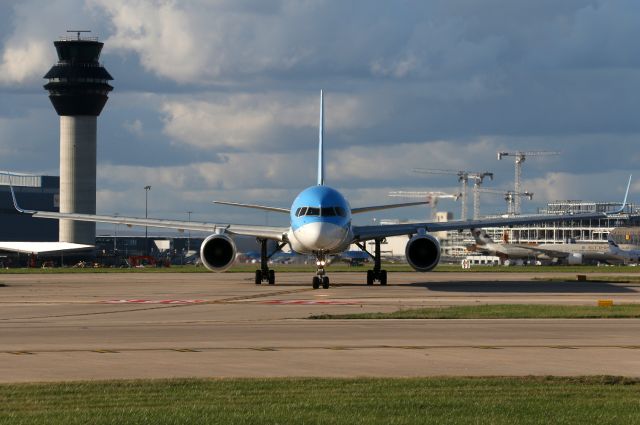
column 501, row 311
column 244, row 268
column 594, row 279
column 589, row 400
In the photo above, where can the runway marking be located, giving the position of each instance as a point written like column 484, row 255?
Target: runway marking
column 311, row 302
column 330, row 348
column 137, row 301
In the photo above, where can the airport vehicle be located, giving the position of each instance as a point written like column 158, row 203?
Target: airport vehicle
column 570, row 253
column 320, row 225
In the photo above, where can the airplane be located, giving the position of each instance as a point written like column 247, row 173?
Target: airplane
column 320, row 225
column 353, row 258
column 627, row 256
column 570, row 253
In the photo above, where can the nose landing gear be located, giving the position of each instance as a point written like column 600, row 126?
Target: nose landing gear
column 320, row 278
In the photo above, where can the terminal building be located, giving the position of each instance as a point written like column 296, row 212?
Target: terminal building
column 33, row 192
column 454, row 244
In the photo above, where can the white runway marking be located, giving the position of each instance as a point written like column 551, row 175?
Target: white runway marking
column 136, row 301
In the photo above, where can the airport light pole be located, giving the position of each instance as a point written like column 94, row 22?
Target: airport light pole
column 115, row 235
column 189, row 234
column 146, row 215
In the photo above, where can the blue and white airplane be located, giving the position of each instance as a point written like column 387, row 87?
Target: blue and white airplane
column 320, row 225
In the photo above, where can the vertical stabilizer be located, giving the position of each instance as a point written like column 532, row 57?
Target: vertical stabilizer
column 320, row 147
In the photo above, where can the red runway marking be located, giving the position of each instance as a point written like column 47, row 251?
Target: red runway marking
column 153, row 301
column 311, row 302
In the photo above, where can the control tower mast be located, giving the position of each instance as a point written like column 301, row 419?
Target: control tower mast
column 78, row 88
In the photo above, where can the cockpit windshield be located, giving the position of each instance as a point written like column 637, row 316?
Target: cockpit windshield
column 322, row 212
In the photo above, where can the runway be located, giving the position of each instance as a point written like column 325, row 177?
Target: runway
column 134, row 325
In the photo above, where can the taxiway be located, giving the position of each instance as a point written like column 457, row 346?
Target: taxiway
column 146, row 325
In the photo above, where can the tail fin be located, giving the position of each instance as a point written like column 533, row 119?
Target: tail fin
column 481, row 237
column 624, row 202
column 320, row 147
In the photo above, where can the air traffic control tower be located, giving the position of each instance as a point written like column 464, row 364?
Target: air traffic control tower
column 78, row 88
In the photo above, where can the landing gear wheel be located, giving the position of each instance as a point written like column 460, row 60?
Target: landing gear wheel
column 382, row 277
column 272, row 277
column 258, row 277
column 316, row 282
column 369, row 277
column 325, row 282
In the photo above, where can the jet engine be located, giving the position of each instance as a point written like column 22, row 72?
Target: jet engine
column 574, row 259
column 218, row 252
column 423, row 252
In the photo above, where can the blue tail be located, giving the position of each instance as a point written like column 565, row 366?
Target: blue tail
column 320, row 147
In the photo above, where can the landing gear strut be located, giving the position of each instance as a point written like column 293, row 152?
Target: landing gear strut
column 265, row 274
column 377, row 274
column 320, row 278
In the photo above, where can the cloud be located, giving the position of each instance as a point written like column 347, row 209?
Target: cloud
column 135, row 127
column 161, row 33
column 259, row 122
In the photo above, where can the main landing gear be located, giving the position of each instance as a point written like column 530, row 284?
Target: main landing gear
column 377, row 274
column 320, row 278
column 265, row 274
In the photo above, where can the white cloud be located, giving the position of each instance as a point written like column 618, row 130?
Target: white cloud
column 162, row 33
column 134, row 127
column 243, row 121
column 24, row 60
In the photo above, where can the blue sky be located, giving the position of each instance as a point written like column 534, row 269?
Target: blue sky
column 219, row 99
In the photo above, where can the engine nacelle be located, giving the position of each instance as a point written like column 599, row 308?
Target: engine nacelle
column 423, row 252
column 574, row 259
column 218, row 252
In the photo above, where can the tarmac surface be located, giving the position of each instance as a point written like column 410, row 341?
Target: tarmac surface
column 57, row 327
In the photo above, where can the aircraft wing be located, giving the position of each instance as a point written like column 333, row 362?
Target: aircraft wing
column 363, row 233
column 266, row 232
column 42, row 247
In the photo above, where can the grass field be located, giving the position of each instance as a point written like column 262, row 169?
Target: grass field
column 334, row 268
column 592, row 400
column 501, row 311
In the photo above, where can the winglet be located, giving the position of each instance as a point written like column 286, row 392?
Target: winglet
column 13, row 196
column 320, row 147
column 624, row 202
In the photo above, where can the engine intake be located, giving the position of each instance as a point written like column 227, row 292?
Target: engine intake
column 218, row 252
column 423, row 252
column 575, row 259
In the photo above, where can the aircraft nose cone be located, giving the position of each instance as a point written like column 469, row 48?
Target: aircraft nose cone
column 320, row 236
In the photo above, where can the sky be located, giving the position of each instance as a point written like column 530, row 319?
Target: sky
column 218, row 99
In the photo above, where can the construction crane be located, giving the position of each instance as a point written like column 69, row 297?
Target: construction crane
column 463, row 178
column 520, row 157
column 431, row 197
column 509, row 196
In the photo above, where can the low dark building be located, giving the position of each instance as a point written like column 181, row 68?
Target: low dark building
column 32, row 192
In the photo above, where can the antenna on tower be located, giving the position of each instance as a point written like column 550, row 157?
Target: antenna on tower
column 78, row 32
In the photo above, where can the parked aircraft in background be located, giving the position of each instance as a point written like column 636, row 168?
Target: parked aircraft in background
column 628, row 256
column 320, row 225
column 569, row 253
column 353, row 258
